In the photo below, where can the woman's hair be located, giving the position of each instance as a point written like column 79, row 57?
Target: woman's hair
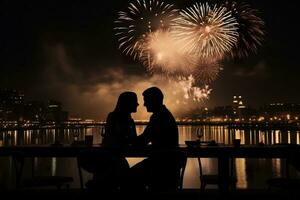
column 125, row 100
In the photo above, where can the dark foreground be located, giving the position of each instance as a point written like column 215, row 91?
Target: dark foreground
column 186, row 194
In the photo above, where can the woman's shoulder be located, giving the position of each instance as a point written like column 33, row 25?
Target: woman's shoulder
column 118, row 116
column 111, row 116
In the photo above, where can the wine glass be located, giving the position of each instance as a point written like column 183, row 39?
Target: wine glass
column 200, row 133
column 102, row 131
column 76, row 135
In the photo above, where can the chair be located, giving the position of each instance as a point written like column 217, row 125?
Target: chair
column 181, row 172
column 86, row 162
column 286, row 183
column 107, row 169
column 213, row 179
column 36, row 181
column 167, row 170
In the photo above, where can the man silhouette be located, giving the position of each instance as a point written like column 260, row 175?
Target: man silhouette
column 160, row 170
column 162, row 130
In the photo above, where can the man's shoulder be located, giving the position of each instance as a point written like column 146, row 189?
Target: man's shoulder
column 166, row 111
column 164, row 114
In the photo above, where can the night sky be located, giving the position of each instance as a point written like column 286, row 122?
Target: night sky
column 67, row 51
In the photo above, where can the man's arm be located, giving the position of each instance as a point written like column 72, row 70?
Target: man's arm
column 145, row 137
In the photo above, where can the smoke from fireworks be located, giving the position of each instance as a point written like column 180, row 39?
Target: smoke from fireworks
column 251, row 29
column 164, row 55
column 141, row 18
column 206, row 31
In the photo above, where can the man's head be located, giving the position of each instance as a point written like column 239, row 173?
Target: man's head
column 153, row 99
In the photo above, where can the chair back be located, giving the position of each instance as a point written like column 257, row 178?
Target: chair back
column 182, row 170
column 294, row 160
column 200, row 167
column 206, row 179
column 92, row 161
column 107, row 168
column 168, row 167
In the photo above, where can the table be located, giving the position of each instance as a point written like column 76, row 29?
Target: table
column 222, row 152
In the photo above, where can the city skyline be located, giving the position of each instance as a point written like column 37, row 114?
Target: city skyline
column 68, row 51
column 16, row 108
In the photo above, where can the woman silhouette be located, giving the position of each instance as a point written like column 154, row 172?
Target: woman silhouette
column 120, row 128
column 110, row 170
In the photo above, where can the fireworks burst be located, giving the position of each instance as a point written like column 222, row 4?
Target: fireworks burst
column 251, row 29
column 142, row 17
column 164, row 55
column 206, row 31
column 206, row 72
column 190, row 91
column 192, row 41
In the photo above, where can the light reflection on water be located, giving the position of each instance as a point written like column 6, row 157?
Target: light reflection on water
column 250, row 173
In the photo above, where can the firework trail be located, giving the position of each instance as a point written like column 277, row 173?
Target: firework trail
column 251, row 29
column 208, row 32
column 141, row 18
column 206, row 72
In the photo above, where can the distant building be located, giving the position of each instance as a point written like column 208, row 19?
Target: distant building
column 35, row 111
column 55, row 113
column 223, row 111
column 11, row 105
column 14, row 108
column 238, row 105
column 281, row 111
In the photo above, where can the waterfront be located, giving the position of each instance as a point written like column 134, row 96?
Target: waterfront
column 251, row 173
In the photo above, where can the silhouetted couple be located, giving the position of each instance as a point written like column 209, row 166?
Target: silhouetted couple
column 161, row 130
column 161, row 169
